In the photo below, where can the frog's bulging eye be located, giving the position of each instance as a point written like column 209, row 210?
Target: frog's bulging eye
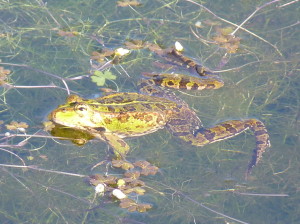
column 81, row 107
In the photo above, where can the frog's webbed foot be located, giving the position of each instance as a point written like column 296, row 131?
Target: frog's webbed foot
column 229, row 129
column 119, row 146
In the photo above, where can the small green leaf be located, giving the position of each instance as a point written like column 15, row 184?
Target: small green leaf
column 98, row 73
column 100, row 81
column 109, row 75
column 99, row 77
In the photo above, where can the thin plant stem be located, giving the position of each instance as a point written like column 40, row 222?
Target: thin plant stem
column 44, row 170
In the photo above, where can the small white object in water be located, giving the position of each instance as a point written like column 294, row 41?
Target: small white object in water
column 121, row 51
column 178, row 46
column 119, row 194
column 22, row 130
column 100, row 188
column 198, row 24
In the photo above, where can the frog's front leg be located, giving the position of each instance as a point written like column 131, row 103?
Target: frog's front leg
column 229, row 129
column 120, row 147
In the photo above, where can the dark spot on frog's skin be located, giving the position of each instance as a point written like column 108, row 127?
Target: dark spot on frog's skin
column 182, row 84
column 210, row 86
column 177, row 109
column 177, row 121
column 188, row 62
column 195, row 86
column 118, row 99
column 247, row 125
column 123, row 117
column 139, row 116
column 129, row 108
column 200, row 130
column 100, row 129
column 159, row 119
column 110, row 108
column 148, row 118
column 260, row 124
column 260, row 132
column 146, row 105
column 230, row 128
column 143, row 84
column 170, row 83
column 107, row 121
column 209, row 135
column 160, row 106
column 158, row 81
column 140, row 126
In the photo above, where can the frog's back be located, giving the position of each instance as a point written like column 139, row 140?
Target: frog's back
column 133, row 102
column 133, row 114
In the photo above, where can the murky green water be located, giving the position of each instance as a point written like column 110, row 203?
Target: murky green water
column 261, row 81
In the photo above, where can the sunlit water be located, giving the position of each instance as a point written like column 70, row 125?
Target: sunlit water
column 261, row 81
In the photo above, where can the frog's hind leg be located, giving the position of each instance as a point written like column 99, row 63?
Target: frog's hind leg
column 149, row 87
column 229, row 129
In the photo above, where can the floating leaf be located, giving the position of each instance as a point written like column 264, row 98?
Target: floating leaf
column 4, row 72
column 15, row 125
column 100, row 81
column 100, row 179
column 132, row 206
column 133, row 175
column 142, row 164
column 137, row 190
column 127, row 203
column 225, row 40
column 149, row 170
column 3, row 75
column 99, row 77
column 48, row 125
column 143, row 207
column 100, row 56
column 122, row 164
column 134, row 182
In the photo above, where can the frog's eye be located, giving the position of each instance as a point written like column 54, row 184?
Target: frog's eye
column 81, row 107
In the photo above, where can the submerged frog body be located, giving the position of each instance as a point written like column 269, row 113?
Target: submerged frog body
column 116, row 116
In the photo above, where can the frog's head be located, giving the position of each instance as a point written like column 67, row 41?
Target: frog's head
column 75, row 113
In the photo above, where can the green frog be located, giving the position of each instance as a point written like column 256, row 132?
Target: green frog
column 116, row 116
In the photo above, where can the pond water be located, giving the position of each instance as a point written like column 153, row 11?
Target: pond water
column 46, row 53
